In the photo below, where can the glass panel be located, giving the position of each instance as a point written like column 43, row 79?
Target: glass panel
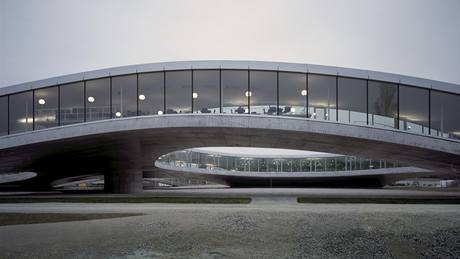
column 72, row 103
column 445, row 119
column 352, row 100
column 178, row 92
column 321, row 97
column 263, row 92
column 3, row 115
column 46, row 107
column 292, row 94
column 21, row 115
column 98, row 99
column 235, row 92
column 151, row 93
column 206, row 91
column 383, row 101
column 413, row 109
column 124, row 96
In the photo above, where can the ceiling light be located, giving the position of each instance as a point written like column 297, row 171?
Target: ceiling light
column 248, row 93
column 91, row 99
column 141, row 97
column 195, row 95
column 292, row 109
column 160, row 112
column 118, row 114
column 303, row 92
column 41, row 101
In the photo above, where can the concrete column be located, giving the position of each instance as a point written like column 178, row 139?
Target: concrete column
column 123, row 181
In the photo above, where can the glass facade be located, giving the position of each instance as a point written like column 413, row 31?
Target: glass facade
column 322, row 97
column 46, row 112
column 235, row 91
column 124, row 96
column 263, row 89
column 178, row 92
column 351, row 95
column 151, row 93
column 21, row 112
column 413, row 109
column 72, row 101
column 383, row 104
column 292, row 94
column 206, row 91
column 97, row 99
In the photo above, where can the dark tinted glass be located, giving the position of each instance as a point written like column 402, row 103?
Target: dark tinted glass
column 72, row 103
column 98, row 99
column 413, row 109
column 124, row 96
column 21, row 114
column 3, row 115
column 206, row 91
column 235, row 92
column 46, row 108
column 322, row 97
column 383, row 104
column 292, row 94
column 352, row 100
column 178, row 92
column 445, row 118
column 151, row 93
column 263, row 91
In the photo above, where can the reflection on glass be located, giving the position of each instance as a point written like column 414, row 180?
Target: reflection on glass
column 352, row 100
column 322, row 97
column 72, row 103
column 292, row 94
column 151, row 93
column 413, row 109
column 46, row 108
column 445, row 120
column 263, row 92
column 206, row 91
column 235, row 92
column 98, row 99
column 124, row 96
column 21, row 112
column 383, row 101
column 178, row 92
column 3, row 115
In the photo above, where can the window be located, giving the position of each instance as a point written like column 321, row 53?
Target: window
column 72, row 103
column 46, row 108
column 235, row 92
column 206, row 91
column 292, row 94
column 445, row 119
column 124, row 96
column 178, row 92
column 21, row 112
column 3, row 115
column 151, row 93
column 352, row 100
column 263, row 92
column 97, row 99
column 383, row 102
column 322, row 97
column 413, row 109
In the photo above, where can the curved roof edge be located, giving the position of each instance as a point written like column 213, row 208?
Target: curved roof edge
column 234, row 64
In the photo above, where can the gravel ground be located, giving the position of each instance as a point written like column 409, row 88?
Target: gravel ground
column 260, row 230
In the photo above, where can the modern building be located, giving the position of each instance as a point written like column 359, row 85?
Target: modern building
column 118, row 121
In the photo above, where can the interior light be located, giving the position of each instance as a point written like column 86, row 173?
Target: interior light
column 41, row 101
column 303, row 92
column 118, row 114
column 409, row 127
column 292, row 109
column 314, row 114
column 246, row 110
column 195, row 95
column 160, row 112
column 248, row 93
column 327, row 115
column 91, row 99
column 141, row 97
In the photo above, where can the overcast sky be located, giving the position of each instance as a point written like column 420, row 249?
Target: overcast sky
column 46, row 38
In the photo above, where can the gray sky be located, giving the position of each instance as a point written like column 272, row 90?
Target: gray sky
column 45, row 38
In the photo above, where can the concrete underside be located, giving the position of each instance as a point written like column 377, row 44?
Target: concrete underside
column 123, row 149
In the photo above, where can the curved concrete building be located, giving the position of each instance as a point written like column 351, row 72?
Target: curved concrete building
column 118, row 121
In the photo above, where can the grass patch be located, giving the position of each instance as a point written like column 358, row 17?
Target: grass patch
column 207, row 200
column 36, row 218
column 443, row 200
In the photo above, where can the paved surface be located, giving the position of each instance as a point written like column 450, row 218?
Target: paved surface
column 267, row 228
